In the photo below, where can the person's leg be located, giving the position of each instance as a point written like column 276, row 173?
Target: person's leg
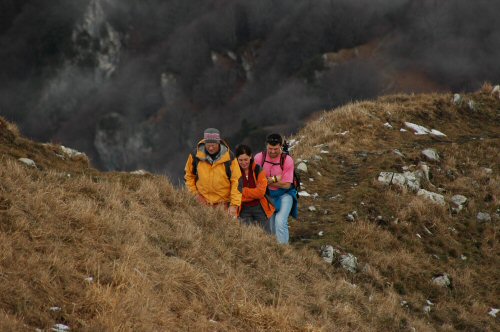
column 246, row 216
column 262, row 220
column 271, row 226
column 281, row 219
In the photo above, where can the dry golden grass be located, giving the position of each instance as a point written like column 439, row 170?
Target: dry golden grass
column 159, row 262
column 412, row 240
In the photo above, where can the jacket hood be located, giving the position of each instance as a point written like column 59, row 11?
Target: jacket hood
column 222, row 156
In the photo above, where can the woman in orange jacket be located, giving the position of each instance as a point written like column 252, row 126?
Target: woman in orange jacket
column 255, row 208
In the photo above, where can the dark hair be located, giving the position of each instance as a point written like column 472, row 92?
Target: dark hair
column 243, row 149
column 274, row 139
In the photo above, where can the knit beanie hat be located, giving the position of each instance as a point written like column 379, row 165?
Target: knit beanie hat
column 211, row 135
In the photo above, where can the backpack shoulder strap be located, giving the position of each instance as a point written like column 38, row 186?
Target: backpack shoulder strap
column 257, row 171
column 282, row 159
column 194, row 164
column 228, row 163
column 262, row 160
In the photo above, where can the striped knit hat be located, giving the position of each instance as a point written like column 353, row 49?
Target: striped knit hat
column 211, row 135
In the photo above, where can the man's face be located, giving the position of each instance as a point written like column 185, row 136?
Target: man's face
column 212, row 148
column 273, row 150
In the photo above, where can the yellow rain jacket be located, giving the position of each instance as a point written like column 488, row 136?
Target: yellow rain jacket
column 211, row 180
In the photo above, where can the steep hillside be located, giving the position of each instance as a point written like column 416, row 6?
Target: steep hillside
column 402, row 239
column 120, row 251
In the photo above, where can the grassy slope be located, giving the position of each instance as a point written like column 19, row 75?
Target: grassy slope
column 396, row 258
column 160, row 262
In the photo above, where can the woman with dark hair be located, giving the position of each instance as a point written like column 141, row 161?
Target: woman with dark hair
column 255, row 207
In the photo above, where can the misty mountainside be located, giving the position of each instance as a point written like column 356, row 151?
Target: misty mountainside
column 133, row 84
column 397, row 231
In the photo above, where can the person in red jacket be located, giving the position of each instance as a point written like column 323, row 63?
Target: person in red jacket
column 255, row 208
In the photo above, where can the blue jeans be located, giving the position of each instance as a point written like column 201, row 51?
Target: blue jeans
column 279, row 221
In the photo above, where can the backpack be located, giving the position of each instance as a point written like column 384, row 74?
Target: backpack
column 296, row 176
column 227, row 164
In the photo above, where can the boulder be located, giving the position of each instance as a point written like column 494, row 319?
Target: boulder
column 442, row 280
column 487, row 170
column 459, row 200
column 385, row 177
column 353, row 216
column 472, row 105
column 27, row 162
column 412, row 180
column 399, row 153
column 349, row 262
column 139, row 172
column 406, row 179
column 425, row 170
column 483, row 217
column 433, row 197
column 431, row 154
column 328, row 253
column 417, row 129
column 496, row 91
column 302, row 167
column 312, row 208
column 71, row 152
column 457, row 99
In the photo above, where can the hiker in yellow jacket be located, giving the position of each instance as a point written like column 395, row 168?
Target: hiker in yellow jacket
column 213, row 174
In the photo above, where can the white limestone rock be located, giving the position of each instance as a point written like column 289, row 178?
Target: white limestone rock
column 302, row 167
column 353, row 216
column 399, row 153
column 385, row 177
column 27, row 162
column 496, row 91
column 494, row 311
column 472, row 105
column 349, row 262
column 487, row 170
column 139, row 172
column 60, row 328
column 459, row 200
column 433, row 197
column 442, row 280
column 437, row 133
column 457, row 99
column 417, row 129
column 328, row 253
column 312, row 208
column 71, row 152
column 411, row 180
column 431, row 154
column 483, row 217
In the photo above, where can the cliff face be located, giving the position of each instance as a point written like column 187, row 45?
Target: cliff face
column 168, row 69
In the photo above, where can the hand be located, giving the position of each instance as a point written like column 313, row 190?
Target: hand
column 274, row 179
column 200, row 199
column 233, row 211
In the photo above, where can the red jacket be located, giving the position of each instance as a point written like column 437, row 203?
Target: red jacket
column 249, row 194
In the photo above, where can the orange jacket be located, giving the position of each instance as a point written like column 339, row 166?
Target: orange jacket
column 259, row 192
column 212, row 182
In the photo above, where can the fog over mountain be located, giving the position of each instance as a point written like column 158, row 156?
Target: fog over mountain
column 133, row 84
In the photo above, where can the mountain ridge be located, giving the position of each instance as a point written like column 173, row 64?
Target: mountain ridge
column 122, row 251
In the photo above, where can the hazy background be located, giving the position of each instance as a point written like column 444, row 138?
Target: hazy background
column 133, row 84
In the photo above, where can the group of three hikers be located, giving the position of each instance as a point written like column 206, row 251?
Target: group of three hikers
column 256, row 189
